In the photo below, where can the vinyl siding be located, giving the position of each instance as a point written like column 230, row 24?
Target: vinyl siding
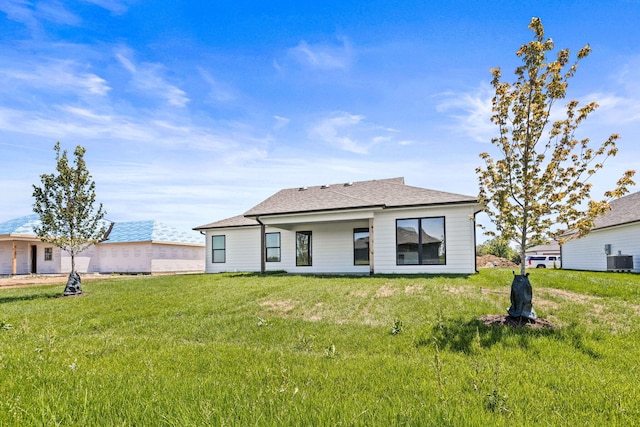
column 242, row 250
column 587, row 253
column 331, row 248
column 459, row 240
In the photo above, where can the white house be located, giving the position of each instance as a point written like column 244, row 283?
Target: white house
column 381, row 226
column 128, row 247
column 616, row 234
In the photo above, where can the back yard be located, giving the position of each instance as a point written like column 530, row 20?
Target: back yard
column 290, row 350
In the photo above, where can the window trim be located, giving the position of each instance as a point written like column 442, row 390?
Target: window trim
column 48, row 254
column 267, row 247
column 420, row 254
column 223, row 250
column 361, row 230
column 309, row 234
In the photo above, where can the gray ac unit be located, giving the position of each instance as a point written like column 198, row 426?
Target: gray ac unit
column 620, row 263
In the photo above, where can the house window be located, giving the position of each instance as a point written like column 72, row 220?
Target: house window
column 48, row 254
column 272, row 242
column 218, row 245
column 420, row 241
column 361, row 246
column 303, row 248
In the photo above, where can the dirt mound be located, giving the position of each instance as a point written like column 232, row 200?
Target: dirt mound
column 492, row 261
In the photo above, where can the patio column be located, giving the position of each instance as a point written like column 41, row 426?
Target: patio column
column 14, row 261
column 371, row 255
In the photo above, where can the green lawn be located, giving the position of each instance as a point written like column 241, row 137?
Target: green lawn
column 252, row 350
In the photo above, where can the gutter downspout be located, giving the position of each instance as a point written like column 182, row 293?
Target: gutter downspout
column 263, row 267
column 475, row 242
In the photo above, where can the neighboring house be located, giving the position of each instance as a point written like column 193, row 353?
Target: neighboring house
column 129, row 247
column 552, row 248
column 381, row 226
column 616, row 233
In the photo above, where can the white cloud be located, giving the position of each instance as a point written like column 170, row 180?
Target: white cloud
column 56, row 76
column 218, row 91
column 322, row 56
column 351, row 132
column 114, row 6
column 471, row 112
column 147, row 79
column 281, row 122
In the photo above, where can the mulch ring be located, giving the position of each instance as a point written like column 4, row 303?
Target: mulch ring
column 517, row 322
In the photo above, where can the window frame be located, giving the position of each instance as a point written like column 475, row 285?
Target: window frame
column 442, row 260
column 309, row 235
column 218, row 250
column 48, row 254
column 267, row 247
column 355, row 256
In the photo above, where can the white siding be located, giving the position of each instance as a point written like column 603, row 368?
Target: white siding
column 331, row 248
column 459, row 240
column 587, row 253
column 242, row 251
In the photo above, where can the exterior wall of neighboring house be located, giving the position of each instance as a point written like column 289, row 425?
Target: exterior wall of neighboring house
column 168, row 258
column 137, row 257
column 24, row 257
column 588, row 253
column 87, row 261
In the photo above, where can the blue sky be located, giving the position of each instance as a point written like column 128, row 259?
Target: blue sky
column 196, row 111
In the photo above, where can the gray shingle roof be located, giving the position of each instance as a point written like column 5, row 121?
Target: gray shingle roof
column 376, row 193
column 236, row 221
column 623, row 211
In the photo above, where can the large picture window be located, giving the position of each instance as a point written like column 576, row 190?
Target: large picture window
column 361, row 246
column 272, row 243
column 303, row 248
column 420, row 241
column 218, row 245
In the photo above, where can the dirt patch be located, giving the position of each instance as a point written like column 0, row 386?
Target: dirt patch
column 492, row 261
column 385, row 291
column 279, row 306
column 516, row 322
column 47, row 279
column 412, row 289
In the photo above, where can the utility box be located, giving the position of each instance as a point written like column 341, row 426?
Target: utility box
column 619, row 263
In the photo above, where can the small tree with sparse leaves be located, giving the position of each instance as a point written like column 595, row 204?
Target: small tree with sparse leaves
column 539, row 188
column 65, row 204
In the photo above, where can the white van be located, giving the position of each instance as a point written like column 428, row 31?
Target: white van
column 543, row 261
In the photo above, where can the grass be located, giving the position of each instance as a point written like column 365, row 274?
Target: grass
column 252, row 350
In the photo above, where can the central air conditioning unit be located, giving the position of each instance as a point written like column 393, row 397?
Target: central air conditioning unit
column 619, row 263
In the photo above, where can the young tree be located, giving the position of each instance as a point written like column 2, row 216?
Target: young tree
column 539, row 186
column 65, row 205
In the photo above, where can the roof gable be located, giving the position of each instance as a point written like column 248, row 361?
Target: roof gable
column 623, row 211
column 383, row 193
